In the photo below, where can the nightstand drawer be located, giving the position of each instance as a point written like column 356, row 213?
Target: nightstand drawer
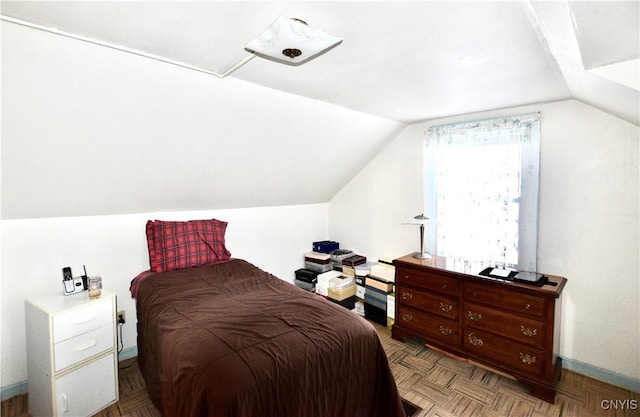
column 80, row 347
column 80, row 320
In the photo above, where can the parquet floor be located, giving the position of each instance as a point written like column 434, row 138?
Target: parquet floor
column 441, row 386
column 446, row 387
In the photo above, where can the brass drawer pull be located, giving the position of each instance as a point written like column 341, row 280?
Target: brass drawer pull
column 446, row 307
column 407, row 317
column 406, row 295
column 475, row 293
column 527, row 306
column 474, row 316
column 445, row 331
column 528, row 359
column 406, row 277
column 475, row 340
column 443, row 286
column 528, row 332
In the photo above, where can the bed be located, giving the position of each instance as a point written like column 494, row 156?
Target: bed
column 227, row 339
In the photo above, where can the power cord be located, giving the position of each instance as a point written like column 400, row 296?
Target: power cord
column 121, row 346
column 120, row 341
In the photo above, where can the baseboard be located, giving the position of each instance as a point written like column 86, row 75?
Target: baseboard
column 128, row 353
column 13, row 390
column 600, row 374
column 604, row 375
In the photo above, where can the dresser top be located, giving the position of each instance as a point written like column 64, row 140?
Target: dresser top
column 468, row 269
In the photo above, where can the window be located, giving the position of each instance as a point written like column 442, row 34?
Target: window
column 481, row 188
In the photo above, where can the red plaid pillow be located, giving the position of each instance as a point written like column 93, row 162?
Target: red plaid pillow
column 153, row 257
column 178, row 245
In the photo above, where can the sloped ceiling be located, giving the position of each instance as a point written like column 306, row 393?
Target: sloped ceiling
column 596, row 46
column 269, row 129
column 404, row 61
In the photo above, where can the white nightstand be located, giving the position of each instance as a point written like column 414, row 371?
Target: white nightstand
column 72, row 354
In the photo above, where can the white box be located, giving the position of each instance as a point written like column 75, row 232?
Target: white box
column 342, row 281
column 322, row 289
column 391, row 305
column 323, row 279
column 360, row 291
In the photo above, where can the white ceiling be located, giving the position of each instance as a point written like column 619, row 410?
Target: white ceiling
column 404, row 61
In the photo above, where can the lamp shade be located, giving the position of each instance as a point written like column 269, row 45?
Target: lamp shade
column 291, row 41
column 420, row 219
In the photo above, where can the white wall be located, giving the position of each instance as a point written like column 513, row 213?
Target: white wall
column 34, row 251
column 89, row 130
column 366, row 215
column 588, row 227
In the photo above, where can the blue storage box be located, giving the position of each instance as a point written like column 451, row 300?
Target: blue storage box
column 325, row 246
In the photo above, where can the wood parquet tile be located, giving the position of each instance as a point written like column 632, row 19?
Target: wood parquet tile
column 446, row 387
column 440, row 385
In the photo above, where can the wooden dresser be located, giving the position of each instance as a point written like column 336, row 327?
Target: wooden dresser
column 509, row 327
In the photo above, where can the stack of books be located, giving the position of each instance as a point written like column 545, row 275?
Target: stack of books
column 348, row 265
column 315, row 262
column 337, row 287
column 360, row 273
column 379, row 300
column 347, row 279
column 341, row 289
column 322, row 286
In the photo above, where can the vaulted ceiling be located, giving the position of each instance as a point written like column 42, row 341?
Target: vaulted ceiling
column 403, row 61
column 91, row 125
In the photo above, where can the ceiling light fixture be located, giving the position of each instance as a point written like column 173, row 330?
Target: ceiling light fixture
column 291, row 41
column 287, row 41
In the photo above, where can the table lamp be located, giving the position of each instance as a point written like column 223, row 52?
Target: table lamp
column 420, row 220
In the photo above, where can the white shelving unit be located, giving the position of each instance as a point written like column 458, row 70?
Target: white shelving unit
column 72, row 354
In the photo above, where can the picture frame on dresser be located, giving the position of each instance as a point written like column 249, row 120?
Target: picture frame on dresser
column 510, row 327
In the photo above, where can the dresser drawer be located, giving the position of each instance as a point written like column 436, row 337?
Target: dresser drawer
column 438, row 327
column 79, row 320
column 510, row 354
column 430, row 302
column 427, row 280
column 83, row 346
column 515, row 327
column 503, row 298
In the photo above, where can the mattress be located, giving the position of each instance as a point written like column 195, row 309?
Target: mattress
column 230, row 339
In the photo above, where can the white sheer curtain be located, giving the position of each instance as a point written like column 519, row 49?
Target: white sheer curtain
column 481, row 181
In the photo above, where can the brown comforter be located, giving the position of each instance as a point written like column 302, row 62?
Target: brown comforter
column 230, row 340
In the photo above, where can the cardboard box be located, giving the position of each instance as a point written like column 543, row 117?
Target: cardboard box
column 342, row 294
